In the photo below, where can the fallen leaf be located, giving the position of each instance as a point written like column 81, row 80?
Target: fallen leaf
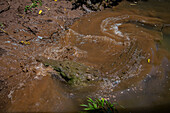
column 25, row 42
column 149, row 60
column 47, row 8
column 40, row 12
column 22, row 42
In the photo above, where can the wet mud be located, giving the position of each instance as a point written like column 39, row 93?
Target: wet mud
column 23, row 37
column 128, row 47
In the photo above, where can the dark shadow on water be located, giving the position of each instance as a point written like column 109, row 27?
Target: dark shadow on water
column 163, row 108
column 137, row 0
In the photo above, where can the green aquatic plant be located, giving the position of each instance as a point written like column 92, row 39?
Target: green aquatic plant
column 99, row 106
column 33, row 5
column 1, row 24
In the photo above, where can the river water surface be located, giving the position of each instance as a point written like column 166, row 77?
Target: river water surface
column 128, row 44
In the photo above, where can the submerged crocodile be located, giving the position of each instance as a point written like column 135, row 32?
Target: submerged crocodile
column 72, row 72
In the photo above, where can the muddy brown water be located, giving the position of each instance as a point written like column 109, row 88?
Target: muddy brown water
column 128, row 44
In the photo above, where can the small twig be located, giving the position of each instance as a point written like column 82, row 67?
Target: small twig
column 4, row 31
column 33, row 32
column 86, row 9
column 50, row 37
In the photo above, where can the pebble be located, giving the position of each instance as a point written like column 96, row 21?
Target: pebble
column 71, row 94
column 7, row 41
column 148, row 75
column 40, row 37
column 117, row 81
column 36, row 77
column 37, row 104
column 141, row 89
column 113, row 96
column 21, row 85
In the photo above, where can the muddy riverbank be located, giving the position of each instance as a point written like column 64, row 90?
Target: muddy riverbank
column 51, row 61
column 24, row 35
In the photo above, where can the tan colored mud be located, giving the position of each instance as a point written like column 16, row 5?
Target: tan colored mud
column 18, row 67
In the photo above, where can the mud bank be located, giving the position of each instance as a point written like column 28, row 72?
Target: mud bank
column 24, row 35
